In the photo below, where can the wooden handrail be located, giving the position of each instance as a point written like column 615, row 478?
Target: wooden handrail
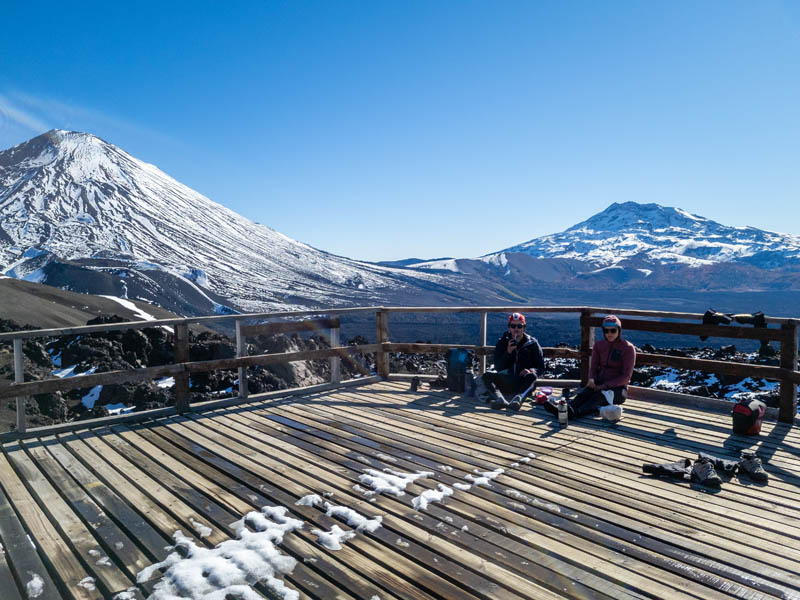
column 46, row 386
column 786, row 334
column 724, row 331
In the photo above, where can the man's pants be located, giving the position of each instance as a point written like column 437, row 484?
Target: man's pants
column 588, row 400
column 507, row 383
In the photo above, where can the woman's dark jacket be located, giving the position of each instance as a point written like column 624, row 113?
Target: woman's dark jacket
column 528, row 355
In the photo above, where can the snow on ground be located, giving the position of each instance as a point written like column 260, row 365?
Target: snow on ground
column 165, row 382
column 70, row 372
column 484, row 477
column 232, row 567
column 350, row 516
column 421, row 502
column 94, row 394
column 333, row 539
column 35, row 585
column 389, row 482
column 137, row 312
column 748, row 386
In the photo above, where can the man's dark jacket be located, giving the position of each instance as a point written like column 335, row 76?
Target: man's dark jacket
column 527, row 355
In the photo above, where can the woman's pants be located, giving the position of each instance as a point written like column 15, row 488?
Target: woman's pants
column 588, row 400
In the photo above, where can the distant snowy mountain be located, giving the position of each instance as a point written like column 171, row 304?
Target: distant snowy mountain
column 650, row 233
column 82, row 214
column 646, row 245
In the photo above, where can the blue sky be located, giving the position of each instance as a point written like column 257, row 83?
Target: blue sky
column 390, row 129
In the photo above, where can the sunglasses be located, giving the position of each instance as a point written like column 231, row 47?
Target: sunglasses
column 609, row 330
column 516, row 326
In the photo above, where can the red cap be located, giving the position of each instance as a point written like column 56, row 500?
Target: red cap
column 516, row 317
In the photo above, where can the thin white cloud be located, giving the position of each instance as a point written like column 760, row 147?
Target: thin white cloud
column 41, row 114
column 20, row 116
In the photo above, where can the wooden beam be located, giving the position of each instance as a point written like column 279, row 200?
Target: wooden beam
column 335, row 361
column 241, row 350
column 81, row 330
column 725, row 331
column 735, row 369
column 83, row 381
column 587, row 341
column 482, row 342
column 182, row 356
column 84, row 329
column 288, row 326
column 382, row 335
column 19, row 377
column 788, row 392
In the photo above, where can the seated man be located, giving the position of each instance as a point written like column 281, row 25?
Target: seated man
column 518, row 359
column 610, row 373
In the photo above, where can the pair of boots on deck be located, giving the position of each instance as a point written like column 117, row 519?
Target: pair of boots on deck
column 704, row 470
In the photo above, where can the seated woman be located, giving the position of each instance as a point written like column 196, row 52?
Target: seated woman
column 610, row 373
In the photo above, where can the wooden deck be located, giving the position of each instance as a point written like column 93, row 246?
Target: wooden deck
column 578, row 520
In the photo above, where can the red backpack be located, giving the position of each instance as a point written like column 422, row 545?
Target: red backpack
column 747, row 416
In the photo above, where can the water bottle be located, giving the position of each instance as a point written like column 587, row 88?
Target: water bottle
column 562, row 413
column 469, row 384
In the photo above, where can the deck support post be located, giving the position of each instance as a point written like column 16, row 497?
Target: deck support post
column 482, row 343
column 587, row 342
column 19, row 377
column 788, row 387
column 182, row 356
column 382, row 335
column 336, row 362
column 241, row 351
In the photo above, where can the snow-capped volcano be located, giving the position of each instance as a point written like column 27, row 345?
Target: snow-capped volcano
column 650, row 233
column 644, row 245
column 75, row 208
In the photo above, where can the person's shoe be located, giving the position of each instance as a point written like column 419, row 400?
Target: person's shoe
column 721, row 465
column 551, row 406
column 499, row 402
column 516, row 403
column 703, row 473
column 751, row 465
column 674, row 470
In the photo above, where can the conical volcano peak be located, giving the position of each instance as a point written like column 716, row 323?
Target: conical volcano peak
column 632, row 215
column 54, row 145
column 79, row 200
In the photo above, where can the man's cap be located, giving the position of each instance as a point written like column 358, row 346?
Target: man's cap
column 612, row 321
column 516, row 317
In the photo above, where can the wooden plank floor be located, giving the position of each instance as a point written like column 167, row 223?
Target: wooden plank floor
column 572, row 515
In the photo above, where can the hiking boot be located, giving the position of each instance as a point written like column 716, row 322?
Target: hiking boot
column 551, row 406
column 516, row 403
column 722, row 465
column 674, row 470
column 499, row 401
column 703, row 473
column 751, row 465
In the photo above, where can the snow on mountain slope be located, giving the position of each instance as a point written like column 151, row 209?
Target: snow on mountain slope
column 67, row 197
column 650, row 233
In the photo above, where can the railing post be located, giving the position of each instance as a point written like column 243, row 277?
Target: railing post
column 182, row 356
column 482, row 343
column 788, row 388
column 382, row 335
column 587, row 341
column 336, row 362
column 19, row 377
column 241, row 350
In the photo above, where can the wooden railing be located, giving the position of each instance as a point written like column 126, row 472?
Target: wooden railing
column 783, row 331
